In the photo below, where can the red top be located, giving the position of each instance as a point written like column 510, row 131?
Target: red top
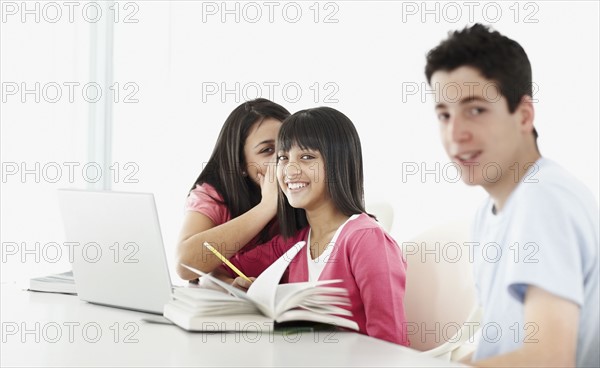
column 366, row 258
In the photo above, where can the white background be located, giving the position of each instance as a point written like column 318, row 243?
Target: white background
column 362, row 56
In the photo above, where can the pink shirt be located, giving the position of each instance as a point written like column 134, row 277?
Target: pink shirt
column 368, row 261
column 206, row 200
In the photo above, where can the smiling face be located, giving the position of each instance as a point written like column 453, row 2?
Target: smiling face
column 478, row 132
column 259, row 148
column 301, row 175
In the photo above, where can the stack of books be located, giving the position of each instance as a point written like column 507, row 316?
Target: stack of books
column 60, row 283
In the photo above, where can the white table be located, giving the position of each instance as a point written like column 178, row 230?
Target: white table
column 42, row 329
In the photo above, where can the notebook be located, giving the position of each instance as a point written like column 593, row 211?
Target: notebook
column 117, row 249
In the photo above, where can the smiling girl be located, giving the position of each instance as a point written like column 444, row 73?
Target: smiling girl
column 234, row 199
column 321, row 202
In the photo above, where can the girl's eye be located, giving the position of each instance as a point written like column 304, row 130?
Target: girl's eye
column 267, row 150
column 306, row 157
column 281, row 158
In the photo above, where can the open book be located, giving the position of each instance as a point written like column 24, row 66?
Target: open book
column 266, row 302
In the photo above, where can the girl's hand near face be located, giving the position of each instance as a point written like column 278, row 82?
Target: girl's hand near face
column 269, row 187
column 236, row 233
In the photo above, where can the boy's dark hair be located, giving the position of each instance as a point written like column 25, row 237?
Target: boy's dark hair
column 333, row 135
column 497, row 57
column 224, row 167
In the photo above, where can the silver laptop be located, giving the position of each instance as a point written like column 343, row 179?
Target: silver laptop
column 117, row 249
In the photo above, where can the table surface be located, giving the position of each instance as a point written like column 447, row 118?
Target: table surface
column 44, row 329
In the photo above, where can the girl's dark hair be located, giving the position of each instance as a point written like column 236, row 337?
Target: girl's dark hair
column 227, row 162
column 331, row 133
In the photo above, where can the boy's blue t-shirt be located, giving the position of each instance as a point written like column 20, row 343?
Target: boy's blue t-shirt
column 546, row 236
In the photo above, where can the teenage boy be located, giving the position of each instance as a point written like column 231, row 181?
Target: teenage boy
column 536, row 266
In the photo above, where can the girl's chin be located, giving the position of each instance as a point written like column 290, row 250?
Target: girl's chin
column 294, row 202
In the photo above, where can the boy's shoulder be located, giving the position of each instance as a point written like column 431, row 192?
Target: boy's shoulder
column 546, row 191
column 549, row 184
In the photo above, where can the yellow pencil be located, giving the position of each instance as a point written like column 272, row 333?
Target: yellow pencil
column 226, row 261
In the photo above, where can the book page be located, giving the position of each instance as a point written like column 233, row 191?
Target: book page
column 307, row 315
column 204, row 308
column 192, row 319
column 231, row 289
column 263, row 290
column 302, row 294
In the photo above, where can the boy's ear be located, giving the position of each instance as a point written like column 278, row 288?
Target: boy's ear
column 526, row 113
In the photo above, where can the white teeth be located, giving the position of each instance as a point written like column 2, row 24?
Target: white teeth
column 296, row 185
column 467, row 156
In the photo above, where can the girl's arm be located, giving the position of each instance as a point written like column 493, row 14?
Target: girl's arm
column 227, row 238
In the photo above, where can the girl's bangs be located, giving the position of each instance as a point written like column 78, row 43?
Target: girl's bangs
column 300, row 130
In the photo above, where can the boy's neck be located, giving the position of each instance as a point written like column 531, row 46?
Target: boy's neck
column 501, row 191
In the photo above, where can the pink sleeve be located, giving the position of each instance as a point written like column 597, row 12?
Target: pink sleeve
column 380, row 273
column 206, row 200
column 253, row 262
